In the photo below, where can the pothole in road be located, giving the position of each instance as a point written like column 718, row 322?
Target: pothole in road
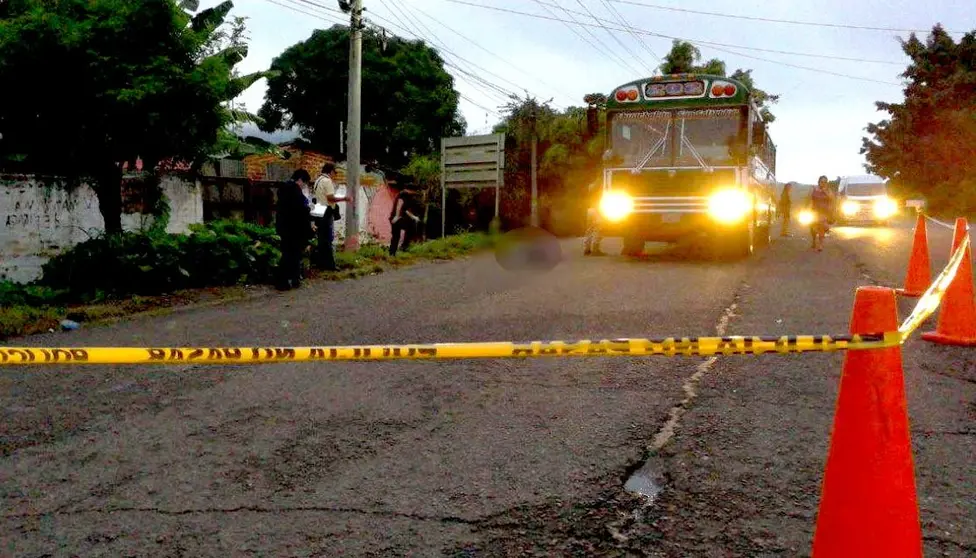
column 645, row 483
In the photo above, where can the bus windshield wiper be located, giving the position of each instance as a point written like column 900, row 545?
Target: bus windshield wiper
column 694, row 152
column 658, row 145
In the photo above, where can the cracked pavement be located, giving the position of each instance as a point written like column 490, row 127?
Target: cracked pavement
column 487, row 457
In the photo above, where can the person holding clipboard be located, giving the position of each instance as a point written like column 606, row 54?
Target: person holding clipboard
column 326, row 212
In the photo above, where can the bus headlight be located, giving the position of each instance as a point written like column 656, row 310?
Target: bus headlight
column 806, row 217
column 615, row 206
column 729, row 206
column 884, row 208
column 849, row 208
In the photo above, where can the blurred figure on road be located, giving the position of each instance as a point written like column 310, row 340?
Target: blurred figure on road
column 593, row 236
column 324, row 193
column 785, row 208
column 404, row 218
column 821, row 203
column 294, row 226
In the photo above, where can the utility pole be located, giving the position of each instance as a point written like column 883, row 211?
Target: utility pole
column 354, row 129
column 535, row 187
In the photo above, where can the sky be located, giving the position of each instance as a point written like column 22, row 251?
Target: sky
column 820, row 118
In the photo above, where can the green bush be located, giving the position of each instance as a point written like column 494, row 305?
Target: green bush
column 16, row 294
column 147, row 263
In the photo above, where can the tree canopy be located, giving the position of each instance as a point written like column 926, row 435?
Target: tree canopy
column 685, row 57
column 408, row 98
column 97, row 83
column 567, row 158
column 926, row 145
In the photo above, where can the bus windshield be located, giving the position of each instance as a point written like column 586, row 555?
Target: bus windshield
column 683, row 138
column 641, row 139
column 707, row 136
column 866, row 189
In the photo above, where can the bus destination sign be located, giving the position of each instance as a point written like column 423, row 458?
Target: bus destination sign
column 674, row 90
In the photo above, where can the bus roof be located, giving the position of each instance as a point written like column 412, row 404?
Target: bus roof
column 679, row 91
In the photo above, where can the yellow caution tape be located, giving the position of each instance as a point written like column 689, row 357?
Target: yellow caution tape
column 667, row 346
column 932, row 298
column 671, row 346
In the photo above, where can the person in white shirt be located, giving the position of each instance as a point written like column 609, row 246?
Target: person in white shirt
column 324, row 192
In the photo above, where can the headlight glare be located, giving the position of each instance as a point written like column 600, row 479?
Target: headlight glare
column 729, row 206
column 615, row 206
column 849, row 208
column 806, row 217
column 885, row 207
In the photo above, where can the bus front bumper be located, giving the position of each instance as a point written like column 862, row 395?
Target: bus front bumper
column 667, row 226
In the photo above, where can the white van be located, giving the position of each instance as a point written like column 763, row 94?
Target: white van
column 864, row 199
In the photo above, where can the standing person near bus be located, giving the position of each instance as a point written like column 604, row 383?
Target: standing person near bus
column 821, row 203
column 324, row 193
column 785, row 209
column 592, row 238
column 294, row 226
column 404, row 218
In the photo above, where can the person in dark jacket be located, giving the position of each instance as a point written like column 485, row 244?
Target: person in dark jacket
column 294, row 225
column 785, row 209
column 821, row 203
column 404, row 218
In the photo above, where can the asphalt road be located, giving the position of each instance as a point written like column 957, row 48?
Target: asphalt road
column 480, row 458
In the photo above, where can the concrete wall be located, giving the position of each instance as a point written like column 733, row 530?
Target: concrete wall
column 39, row 218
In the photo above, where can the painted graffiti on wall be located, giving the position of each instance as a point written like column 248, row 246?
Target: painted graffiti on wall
column 39, row 217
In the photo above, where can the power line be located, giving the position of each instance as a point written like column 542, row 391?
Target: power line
column 487, row 87
column 612, row 35
column 482, row 107
column 772, row 20
column 644, row 32
column 637, row 37
column 405, row 19
column 475, row 43
column 632, row 29
column 611, row 54
column 432, row 38
column 299, row 10
column 586, row 28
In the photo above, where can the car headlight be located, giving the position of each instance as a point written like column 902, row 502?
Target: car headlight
column 885, row 207
column 614, row 206
column 806, row 217
column 729, row 206
column 849, row 208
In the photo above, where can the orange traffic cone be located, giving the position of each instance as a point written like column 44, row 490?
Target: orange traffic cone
column 919, row 270
column 868, row 505
column 957, row 318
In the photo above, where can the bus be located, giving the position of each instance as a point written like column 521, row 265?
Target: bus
column 688, row 156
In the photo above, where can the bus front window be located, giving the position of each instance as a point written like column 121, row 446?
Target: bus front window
column 709, row 136
column 641, row 139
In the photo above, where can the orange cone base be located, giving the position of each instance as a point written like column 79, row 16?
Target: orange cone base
column 943, row 339
column 909, row 294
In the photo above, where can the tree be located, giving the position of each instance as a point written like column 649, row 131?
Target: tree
column 926, row 143
column 568, row 159
column 104, row 82
column 408, row 98
column 684, row 58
